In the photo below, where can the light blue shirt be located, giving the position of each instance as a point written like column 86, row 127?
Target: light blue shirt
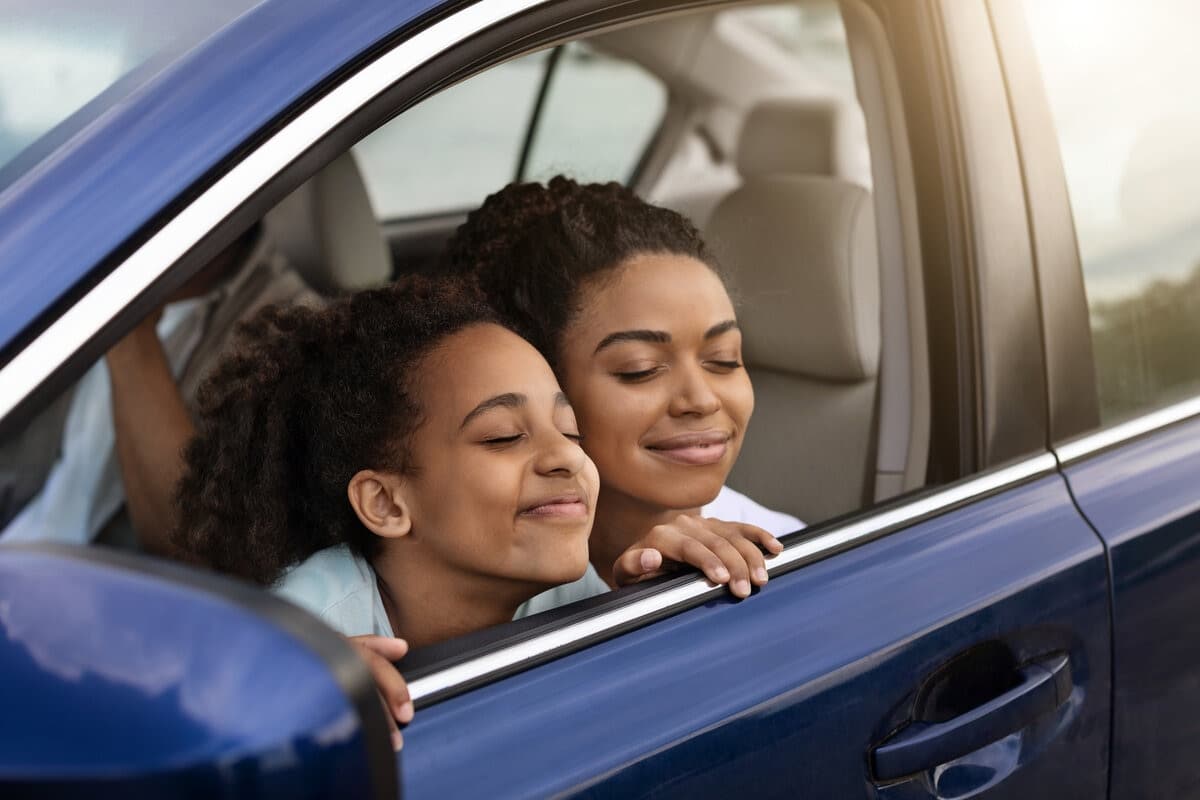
column 340, row 587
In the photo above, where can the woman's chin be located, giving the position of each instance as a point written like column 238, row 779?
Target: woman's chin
column 659, row 482
column 694, row 493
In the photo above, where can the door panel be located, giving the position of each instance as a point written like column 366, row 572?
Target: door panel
column 789, row 690
column 1144, row 500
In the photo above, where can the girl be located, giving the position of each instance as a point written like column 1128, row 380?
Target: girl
column 398, row 445
column 627, row 304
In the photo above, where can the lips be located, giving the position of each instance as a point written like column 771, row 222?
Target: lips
column 692, row 449
column 569, row 505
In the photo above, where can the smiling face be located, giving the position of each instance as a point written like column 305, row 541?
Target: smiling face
column 653, row 366
column 500, row 486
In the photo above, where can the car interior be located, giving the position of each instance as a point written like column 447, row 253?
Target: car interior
column 775, row 128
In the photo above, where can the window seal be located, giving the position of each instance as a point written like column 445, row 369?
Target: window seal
column 1082, row 447
column 803, row 548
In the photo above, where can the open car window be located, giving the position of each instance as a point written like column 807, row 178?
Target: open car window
column 788, row 153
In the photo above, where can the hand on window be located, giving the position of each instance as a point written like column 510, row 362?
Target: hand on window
column 726, row 552
column 381, row 653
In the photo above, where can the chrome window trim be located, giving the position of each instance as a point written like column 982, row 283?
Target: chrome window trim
column 83, row 320
column 1072, row 451
column 536, row 649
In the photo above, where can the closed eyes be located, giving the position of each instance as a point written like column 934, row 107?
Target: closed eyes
column 500, row 441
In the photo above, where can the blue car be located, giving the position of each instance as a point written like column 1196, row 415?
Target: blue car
column 965, row 235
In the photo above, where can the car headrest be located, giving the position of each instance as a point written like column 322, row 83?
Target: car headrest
column 801, row 254
column 791, row 137
column 328, row 231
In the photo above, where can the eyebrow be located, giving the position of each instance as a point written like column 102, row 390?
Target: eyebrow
column 508, row 400
column 721, row 327
column 659, row 337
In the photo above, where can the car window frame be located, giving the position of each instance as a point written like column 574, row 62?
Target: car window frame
column 434, row 55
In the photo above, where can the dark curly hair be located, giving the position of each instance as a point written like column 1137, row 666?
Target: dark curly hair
column 532, row 248
column 306, row 399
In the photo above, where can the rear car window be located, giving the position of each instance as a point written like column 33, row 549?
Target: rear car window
column 571, row 110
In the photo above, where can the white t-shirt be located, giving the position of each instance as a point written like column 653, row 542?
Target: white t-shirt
column 340, row 587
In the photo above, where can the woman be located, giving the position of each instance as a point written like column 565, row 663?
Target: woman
column 627, row 304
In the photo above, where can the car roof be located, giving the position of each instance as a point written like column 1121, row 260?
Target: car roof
column 67, row 215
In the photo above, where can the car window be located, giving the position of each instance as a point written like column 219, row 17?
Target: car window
column 599, row 116
column 63, row 62
column 1121, row 83
column 452, row 150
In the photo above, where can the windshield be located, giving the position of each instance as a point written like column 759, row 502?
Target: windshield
column 64, row 62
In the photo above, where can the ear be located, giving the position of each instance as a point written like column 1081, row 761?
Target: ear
column 379, row 502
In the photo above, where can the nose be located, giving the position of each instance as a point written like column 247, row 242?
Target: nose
column 558, row 455
column 694, row 395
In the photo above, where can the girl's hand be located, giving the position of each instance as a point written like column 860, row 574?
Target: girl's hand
column 726, row 552
column 380, row 652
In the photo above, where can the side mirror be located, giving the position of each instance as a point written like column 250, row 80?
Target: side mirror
column 127, row 676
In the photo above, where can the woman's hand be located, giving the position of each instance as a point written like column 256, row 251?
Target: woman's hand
column 380, row 653
column 726, row 552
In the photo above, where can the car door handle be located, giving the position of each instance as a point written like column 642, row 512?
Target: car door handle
column 1044, row 686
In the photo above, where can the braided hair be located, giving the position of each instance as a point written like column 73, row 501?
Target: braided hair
column 533, row 249
column 306, row 399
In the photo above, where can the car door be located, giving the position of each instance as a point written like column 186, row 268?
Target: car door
column 1118, row 199
column 962, row 653
column 952, row 643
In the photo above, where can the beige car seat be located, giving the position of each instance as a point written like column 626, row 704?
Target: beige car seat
column 800, row 250
column 329, row 232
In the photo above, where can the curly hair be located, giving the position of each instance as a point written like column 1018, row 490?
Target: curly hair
column 533, row 248
column 306, row 399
